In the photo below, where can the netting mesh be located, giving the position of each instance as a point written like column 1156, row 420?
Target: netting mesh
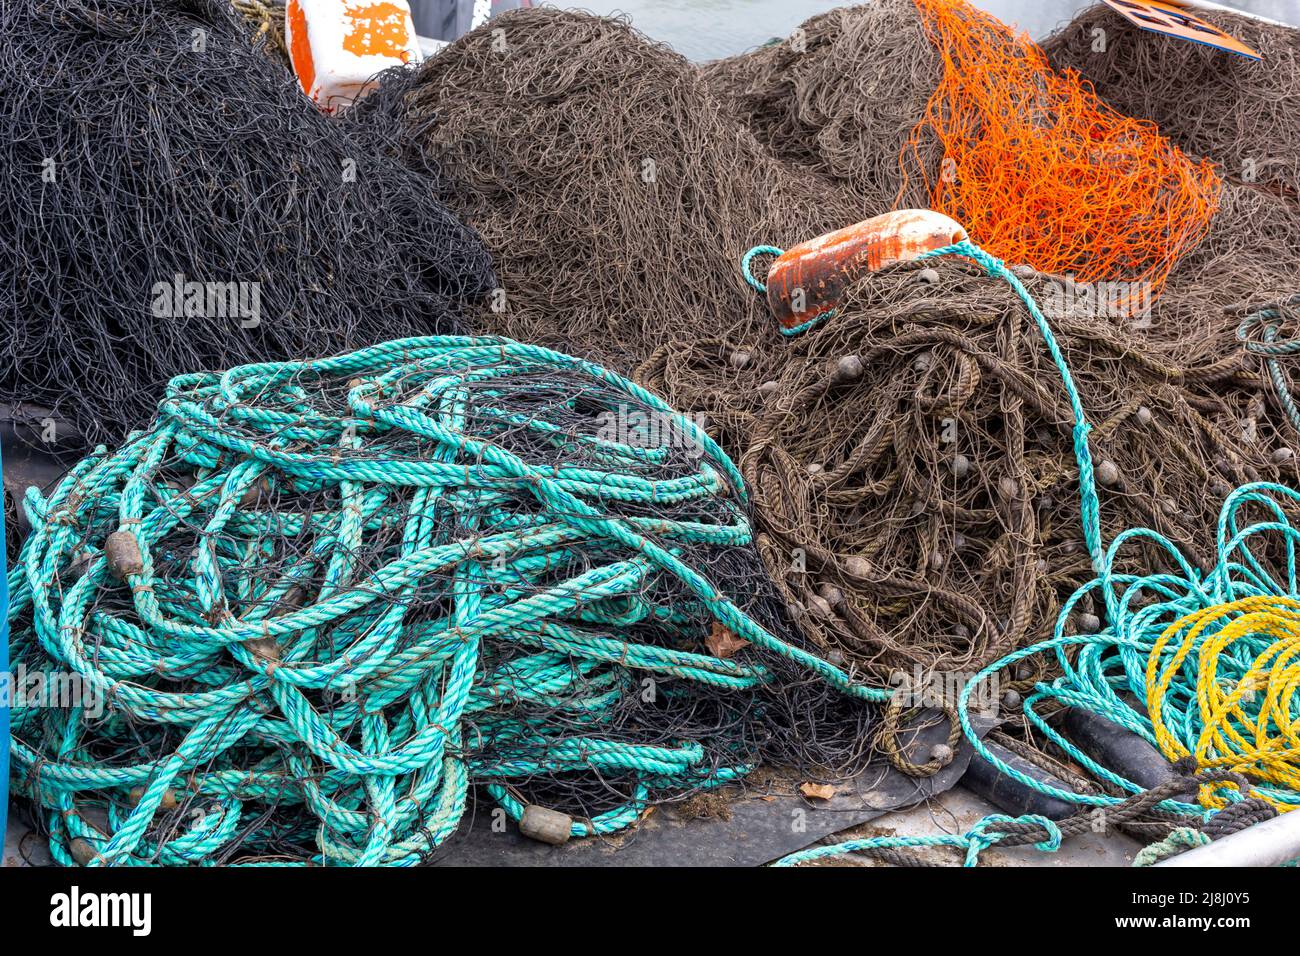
column 173, row 203
column 1044, row 173
column 1036, row 167
column 912, row 461
column 1242, row 114
column 839, row 96
column 614, row 191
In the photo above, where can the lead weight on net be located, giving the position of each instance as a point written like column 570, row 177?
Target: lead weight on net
column 82, row 851
column 253, row 493
column 858, row 567
column 1283, row 455
column 739, row 359
column 169, row 801
column 546, row 826
column 1144, row 415
column 941, row 754
column 928, row 276
column 267, row 648
column 831, row 595
column 820, row 607
column 123, row 553
column 848, row 369
column 768, row 389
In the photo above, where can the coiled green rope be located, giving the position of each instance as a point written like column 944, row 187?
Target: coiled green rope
column 1271, row 348
column 320, row 599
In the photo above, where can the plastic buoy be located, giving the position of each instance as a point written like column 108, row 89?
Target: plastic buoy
column 337, row 46
column 807, row 281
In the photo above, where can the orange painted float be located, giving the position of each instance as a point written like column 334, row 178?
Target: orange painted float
column 807, row 281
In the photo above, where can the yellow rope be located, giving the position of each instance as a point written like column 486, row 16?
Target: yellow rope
column 1247, row 723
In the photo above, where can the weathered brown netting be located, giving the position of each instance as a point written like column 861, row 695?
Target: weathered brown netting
column 918, row 510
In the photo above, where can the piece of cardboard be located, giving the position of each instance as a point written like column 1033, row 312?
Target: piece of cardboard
column 1176, row 20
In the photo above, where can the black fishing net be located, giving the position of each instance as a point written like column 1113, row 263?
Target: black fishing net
column 172, row 202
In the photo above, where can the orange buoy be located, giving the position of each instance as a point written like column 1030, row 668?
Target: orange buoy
column 808, row 280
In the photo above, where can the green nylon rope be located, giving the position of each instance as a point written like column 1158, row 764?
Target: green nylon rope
column 534, row 613
column 1271, row 348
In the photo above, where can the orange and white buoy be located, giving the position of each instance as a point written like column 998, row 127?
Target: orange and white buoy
column 807, row 281
column 337, row 46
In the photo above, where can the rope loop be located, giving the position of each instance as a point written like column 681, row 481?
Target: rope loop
column 749, row 258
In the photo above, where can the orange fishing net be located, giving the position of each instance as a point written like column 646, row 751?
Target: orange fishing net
column 1040, row 171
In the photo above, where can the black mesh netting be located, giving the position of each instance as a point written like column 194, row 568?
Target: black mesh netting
column 148, row 144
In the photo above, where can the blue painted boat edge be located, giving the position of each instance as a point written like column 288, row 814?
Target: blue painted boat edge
column 5, row 688
column 1213, row 46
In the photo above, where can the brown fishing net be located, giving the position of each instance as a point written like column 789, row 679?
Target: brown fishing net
column 840, row 97
column 616, row 194
column 910, row 460
column 913, row 470
column 1243, row 114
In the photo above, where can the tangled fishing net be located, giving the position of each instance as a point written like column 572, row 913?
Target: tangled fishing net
column 614, row 191
column 840, row 96
column 1242, row 114
column 912, row 464
column 317, row 601
column 1196, row 657
column 172, row 202
column 1035, row 166
column 549, row 128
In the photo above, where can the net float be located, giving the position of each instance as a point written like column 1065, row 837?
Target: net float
column 806, row 282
